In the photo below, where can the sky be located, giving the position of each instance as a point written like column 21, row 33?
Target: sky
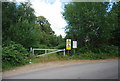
column 52, row 11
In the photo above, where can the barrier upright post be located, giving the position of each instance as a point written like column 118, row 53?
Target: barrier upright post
column 64, row 52
column 45, row 51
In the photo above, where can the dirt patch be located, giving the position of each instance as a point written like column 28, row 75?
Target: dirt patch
column 47, row 65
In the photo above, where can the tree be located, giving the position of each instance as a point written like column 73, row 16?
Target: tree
column 116, row 37
column 23, row 27
column 89, row 23
column 44, row 25
column 47, row 32
column 9, row 11
column 24, row 11
column 22, row 30
column 24, row 33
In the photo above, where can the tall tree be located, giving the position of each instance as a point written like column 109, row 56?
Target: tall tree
column 22, row 26
column 24, row 11
column 9, row 12
column 116, row 33
column 89, row 23
column 44, row 25
column 47, row 32
column 18, row 23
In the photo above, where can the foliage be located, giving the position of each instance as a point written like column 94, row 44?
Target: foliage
column 48, row 36
column 58, row 57
column 92, row 25
column 18, row 13
column 46, row 58
column 44, row 25
column 116, row 37
column 23, row 33
column 86, row 25
column 14, row 54
column 61, row 46
column 25, row 30
column 91, row 55
column 110, row 50
column 7, row 19
column 23, row 27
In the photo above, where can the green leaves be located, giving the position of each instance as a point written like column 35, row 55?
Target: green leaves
column 22, row 30
column 14, row 54
column 89, row 20
column 22, row 33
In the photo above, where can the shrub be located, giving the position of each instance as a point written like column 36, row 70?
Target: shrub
column 61, row 46
column 110, row 50
column 14, row 54
column 91, row 55
column 43, row 46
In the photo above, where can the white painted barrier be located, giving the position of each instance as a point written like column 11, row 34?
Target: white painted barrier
column 55, row 50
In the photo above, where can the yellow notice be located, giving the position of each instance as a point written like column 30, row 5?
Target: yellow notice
column 68, row 44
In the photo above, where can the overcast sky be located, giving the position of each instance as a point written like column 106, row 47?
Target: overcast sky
column 52, row 11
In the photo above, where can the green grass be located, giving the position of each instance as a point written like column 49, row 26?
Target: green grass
column 60, row 57
column 46, row 58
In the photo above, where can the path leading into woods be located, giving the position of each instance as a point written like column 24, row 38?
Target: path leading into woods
column 72, row 69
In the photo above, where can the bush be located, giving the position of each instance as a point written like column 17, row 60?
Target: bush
column 91, row 55
column 14, row 54
column 111, row 50
column 61, row 46
column 83, row 49
column 43, row 46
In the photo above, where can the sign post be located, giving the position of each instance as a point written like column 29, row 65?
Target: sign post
column 74, row 45
column 68, row 45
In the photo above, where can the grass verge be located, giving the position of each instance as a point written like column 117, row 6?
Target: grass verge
column 60, row 57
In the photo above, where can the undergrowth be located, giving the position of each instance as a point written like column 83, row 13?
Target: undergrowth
column 60, row 57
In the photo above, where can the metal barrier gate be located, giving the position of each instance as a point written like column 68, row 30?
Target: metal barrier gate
column 55, row 51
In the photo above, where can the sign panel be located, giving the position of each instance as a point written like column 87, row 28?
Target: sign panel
column 68, row 44
column 74, row 44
